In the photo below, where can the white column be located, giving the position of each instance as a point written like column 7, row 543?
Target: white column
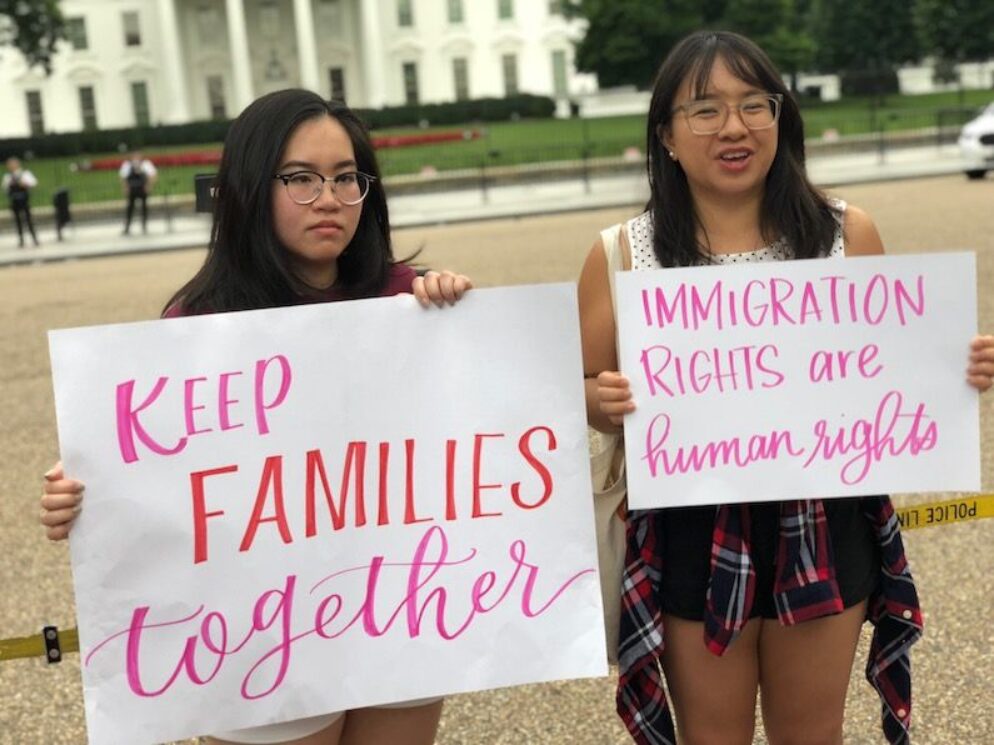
column 303, row 20
column 238, row 40
column 177, row 108
column 372, row 54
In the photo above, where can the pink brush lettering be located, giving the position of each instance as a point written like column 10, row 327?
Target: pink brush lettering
column 891, row 432
column 281, row 617
column 826, row 366
column 712, row 370
column 738, row 452
column 128, row 425
column 189, row 406
column 431, row 602
column 224, row 402
column 273, row 376
column 283, row 377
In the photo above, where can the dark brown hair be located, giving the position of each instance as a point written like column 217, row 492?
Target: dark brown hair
column 246, row 266
column 792, row 207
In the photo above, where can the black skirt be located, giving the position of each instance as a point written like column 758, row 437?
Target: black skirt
column 684, row 540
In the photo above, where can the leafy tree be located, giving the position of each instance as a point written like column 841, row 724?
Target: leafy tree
column 627, row 39
column 757, row 19
column 865, row 40
column 957, row 30
column 780, row 27
column 34, row 27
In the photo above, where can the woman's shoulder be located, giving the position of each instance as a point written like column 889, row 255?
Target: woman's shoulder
column 837, row 211
column 838, row 206
column 638, row 227
column 860, row 233
column 641, row 223
column 849, row 216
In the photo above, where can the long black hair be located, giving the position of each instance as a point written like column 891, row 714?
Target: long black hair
column 246, row 266
column 792, row 207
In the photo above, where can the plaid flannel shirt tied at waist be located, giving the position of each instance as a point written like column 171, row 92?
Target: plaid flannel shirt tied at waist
column 805, row 588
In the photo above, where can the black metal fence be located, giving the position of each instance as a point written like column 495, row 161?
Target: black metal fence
column 528, row 150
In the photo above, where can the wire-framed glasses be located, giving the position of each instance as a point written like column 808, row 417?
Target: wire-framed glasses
column 305, row 187
column 708, row 116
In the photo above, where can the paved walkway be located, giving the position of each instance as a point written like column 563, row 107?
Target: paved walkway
column 954, row 565
column 408, row 210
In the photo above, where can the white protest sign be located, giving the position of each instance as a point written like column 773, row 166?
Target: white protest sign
column 310, row 509
column 799, row 379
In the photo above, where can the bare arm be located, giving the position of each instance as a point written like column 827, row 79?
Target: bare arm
column 607, row 393
column 860, row 234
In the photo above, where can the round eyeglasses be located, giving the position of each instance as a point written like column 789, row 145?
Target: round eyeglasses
column 305, row 187
column 707, row 116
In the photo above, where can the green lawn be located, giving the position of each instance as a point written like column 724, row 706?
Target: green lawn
column 859, row 115
column 533, row 141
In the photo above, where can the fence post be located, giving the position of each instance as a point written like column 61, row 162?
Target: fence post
column 484, row 194
column 881, row 142
column 168, row 210
column 585, row 155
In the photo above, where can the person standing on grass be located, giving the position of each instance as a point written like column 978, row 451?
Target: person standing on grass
column 300, row 217
column 138, row 175
column 17, row 184
column 732, row 601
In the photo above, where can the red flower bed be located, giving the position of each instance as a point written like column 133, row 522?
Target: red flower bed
column 206, row 158
column 213, row 157
column 428, row 138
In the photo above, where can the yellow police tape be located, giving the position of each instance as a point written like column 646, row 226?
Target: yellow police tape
column 916, row 516
column 51, row 644
column 946, row 513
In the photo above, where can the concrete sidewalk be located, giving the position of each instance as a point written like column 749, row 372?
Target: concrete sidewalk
column 487, row 202
column 42, row 704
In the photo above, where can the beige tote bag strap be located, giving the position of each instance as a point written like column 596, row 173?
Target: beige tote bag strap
column 617, row 253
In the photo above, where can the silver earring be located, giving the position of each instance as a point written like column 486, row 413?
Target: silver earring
column 672, row 155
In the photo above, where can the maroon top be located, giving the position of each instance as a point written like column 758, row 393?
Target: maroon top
column 399, row 281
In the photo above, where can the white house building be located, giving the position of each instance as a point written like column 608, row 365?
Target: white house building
column 138, row 62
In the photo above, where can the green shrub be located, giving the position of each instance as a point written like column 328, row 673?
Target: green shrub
column 869, row 82
column 523, row 106
column 111, row 140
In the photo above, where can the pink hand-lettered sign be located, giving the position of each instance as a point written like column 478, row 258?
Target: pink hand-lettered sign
column 801, row 379
column 303, row 510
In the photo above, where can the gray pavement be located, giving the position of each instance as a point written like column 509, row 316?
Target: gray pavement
column 954, row 565
column 525, row 197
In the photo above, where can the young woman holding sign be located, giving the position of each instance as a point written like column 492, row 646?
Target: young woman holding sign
column 300, row 217
column 765, row 596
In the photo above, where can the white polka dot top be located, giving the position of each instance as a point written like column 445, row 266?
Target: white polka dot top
column 639, row 230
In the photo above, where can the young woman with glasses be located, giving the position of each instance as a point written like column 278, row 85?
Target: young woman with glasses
column 300, row 217
column 728, row 184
